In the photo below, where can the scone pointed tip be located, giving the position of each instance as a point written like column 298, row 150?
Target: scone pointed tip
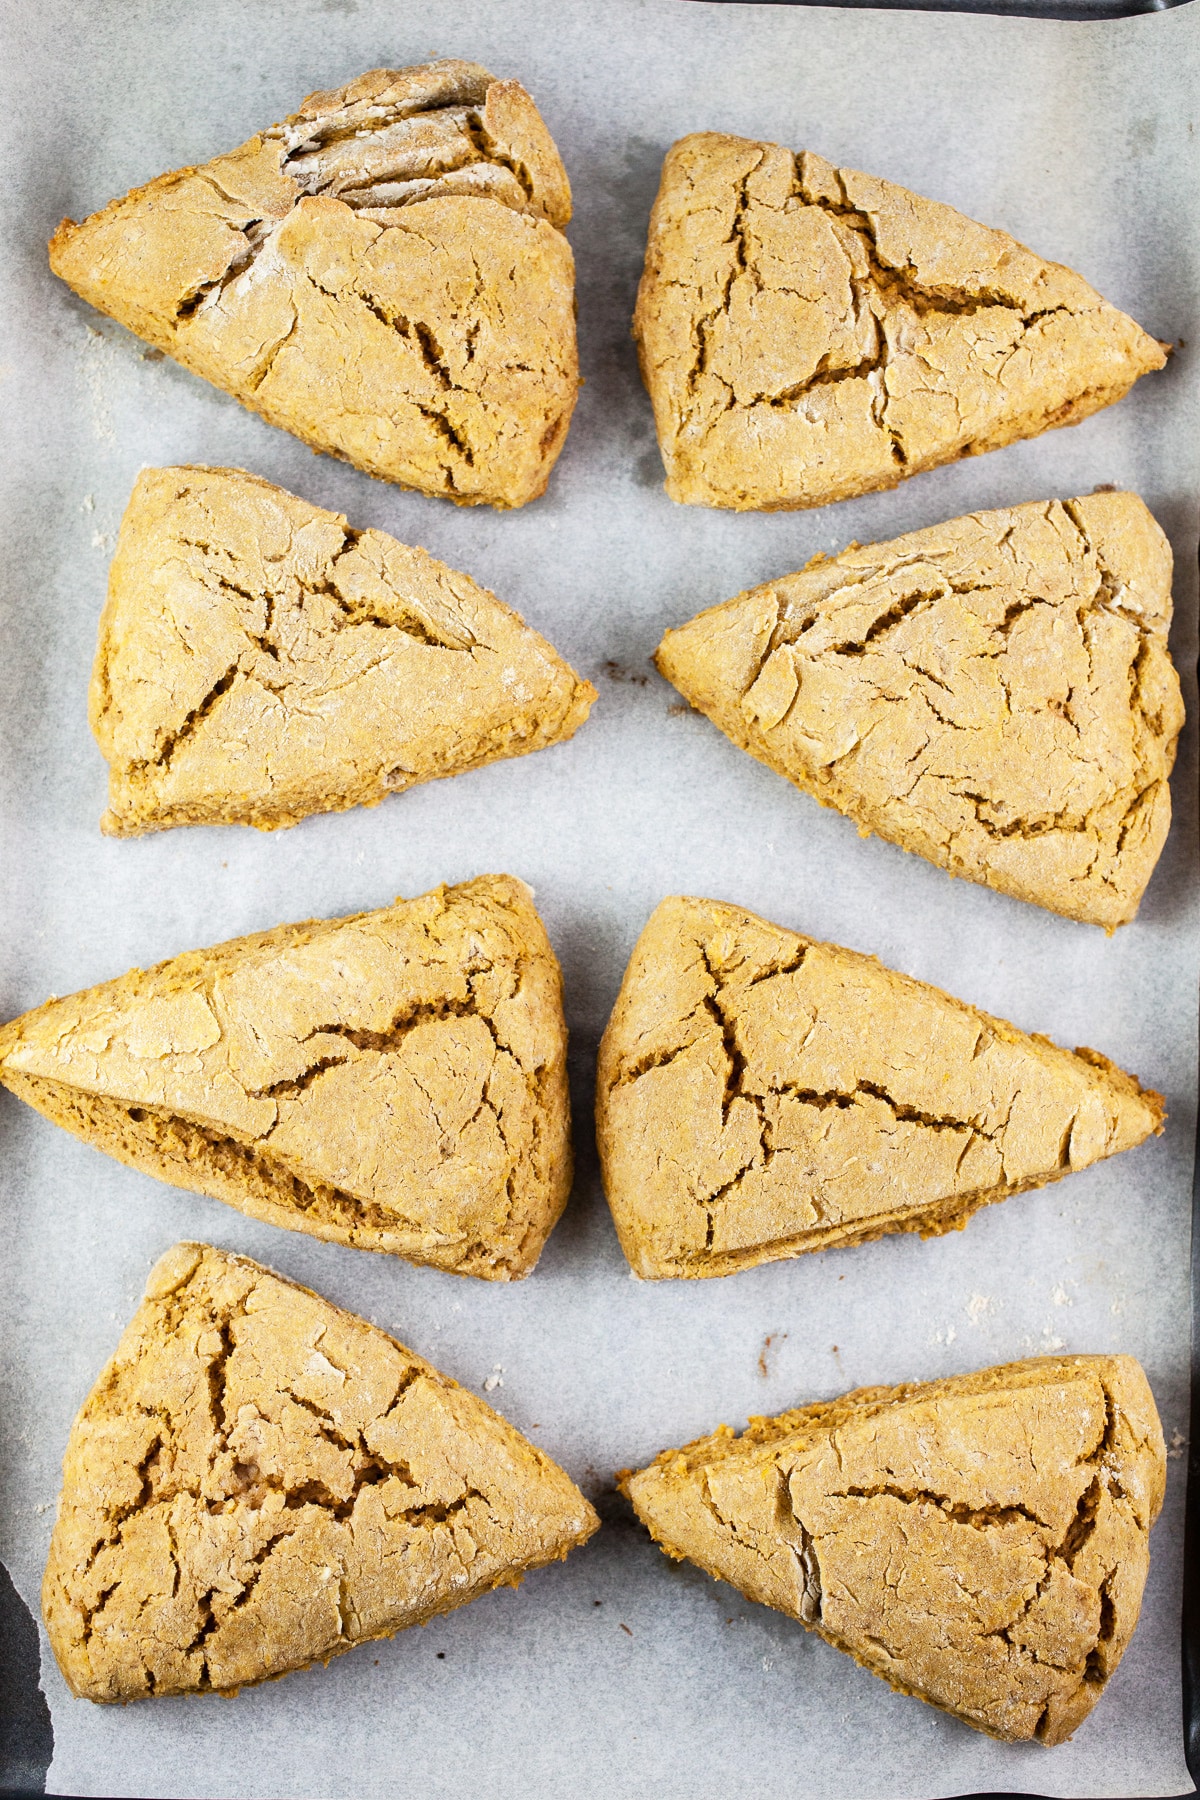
column 174, row 1268
column 63, row 232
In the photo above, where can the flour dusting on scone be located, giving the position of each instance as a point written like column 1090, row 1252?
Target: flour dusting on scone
column 395, row 1080
column 760, row 1094
column 259, row 1480
column 383, row 274
column 260, row 660
column 996, row 694
column 809, row 333
column 981, row 1542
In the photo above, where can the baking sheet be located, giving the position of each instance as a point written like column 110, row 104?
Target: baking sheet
column 616, row 1673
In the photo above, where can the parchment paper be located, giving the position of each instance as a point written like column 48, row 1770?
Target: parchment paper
column 616, row 1674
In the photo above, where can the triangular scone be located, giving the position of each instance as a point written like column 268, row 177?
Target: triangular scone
column 807, row 333
column 259, row 661
column 395, row 1080
column 760, row 1094
column 384, row 274
column 259, row 1480
column 981, row 1542
column 995, row 694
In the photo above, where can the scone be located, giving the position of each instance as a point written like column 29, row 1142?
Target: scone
column 808, row 333
column 384, row 274
column 995, row 694
column 259, row 1480
column 395, row 1080
column 259, row 660
column 980, row 1542
column 760, row 1094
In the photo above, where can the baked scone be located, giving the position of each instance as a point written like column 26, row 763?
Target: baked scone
column 384, row 274
column 760, row 1094
column 259, row 1480
column 980, row 1542
column 259, row 661
column 808, row 333
column 395, row 1080
column 995, row 694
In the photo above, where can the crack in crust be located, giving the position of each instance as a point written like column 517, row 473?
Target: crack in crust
column 760, row 1095
column 259, row 1480
column 801, row 331
column 383, row 274
column 980, row 1542
column 260, row 660
column 390, row 139
column 995, row 694
column 395, row 1081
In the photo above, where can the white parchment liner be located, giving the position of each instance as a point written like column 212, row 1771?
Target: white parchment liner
column 1079, row 139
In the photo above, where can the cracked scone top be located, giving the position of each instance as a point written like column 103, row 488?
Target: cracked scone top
column 258, row 660
column 809, row 333
column 760, row 1094
column 384, row 274
column 395, row 1080
column 980, row 1542
column 259, row 1480
column 995, row 694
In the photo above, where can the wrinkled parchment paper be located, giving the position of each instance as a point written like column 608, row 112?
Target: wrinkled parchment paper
column 616, row 1674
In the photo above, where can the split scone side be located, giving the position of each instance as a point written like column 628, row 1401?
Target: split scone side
column 809, row 333
column 383, row 274
column 995, row 694
column 258, row 661
column 395, row 1080
column 760, row 1094
column 259, row 1480
column 980, row 1542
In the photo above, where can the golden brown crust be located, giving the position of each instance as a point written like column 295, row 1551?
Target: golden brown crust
column 259, row 1481
column 809, row 333
column 760, row 1095
column 981, row 1542
column 395, row 1080
column 259, row 661
column 995, row 694
column 384, row 274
